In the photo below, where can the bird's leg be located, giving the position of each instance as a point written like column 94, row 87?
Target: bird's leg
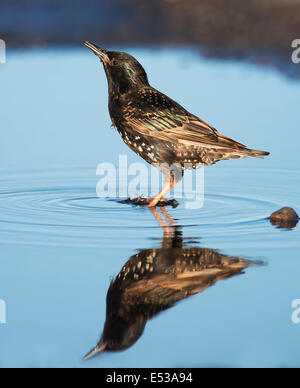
column 166, row 221
column 169, row 220
column 168, row 186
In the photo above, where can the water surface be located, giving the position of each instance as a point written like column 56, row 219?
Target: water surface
column 61, row 245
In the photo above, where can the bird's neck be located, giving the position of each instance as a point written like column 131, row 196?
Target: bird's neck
column 124, row 84
column 121, row 88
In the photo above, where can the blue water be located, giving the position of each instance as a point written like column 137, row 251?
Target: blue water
column 61, row 245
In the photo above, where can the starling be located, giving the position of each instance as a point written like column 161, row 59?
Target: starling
column 153, row 281
column 157, row 128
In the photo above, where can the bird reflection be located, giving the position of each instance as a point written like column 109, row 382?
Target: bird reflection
column 154, row 280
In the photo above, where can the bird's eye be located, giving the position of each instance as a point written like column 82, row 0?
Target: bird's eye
column 114, row 62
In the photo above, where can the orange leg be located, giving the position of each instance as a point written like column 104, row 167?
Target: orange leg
column 164, row 220
column 169, row 186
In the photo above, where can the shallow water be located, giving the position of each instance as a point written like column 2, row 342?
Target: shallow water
column 61, row 244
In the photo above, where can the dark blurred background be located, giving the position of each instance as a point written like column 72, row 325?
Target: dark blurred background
column 255, row 30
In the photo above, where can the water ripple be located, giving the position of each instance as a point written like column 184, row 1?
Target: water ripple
column 60, row 207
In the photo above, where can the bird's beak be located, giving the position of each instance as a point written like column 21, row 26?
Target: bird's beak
column 101, row 53
column 94, row 352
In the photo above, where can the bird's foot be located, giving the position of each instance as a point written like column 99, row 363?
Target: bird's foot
column 141, row 201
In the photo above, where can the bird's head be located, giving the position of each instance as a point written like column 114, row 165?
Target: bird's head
column 123, row 71
column 119, row 333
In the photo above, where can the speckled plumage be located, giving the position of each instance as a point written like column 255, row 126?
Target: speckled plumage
column 154, row 280
column 156, row 127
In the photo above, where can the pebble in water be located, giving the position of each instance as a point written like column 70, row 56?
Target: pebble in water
column 285, row 218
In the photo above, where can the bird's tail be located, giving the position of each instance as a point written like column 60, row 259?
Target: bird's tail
column 255, row 153
column 241, row 153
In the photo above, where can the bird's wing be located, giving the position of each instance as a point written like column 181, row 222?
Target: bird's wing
column 157, row 115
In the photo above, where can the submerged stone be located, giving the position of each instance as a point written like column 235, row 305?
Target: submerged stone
column 141, row 201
